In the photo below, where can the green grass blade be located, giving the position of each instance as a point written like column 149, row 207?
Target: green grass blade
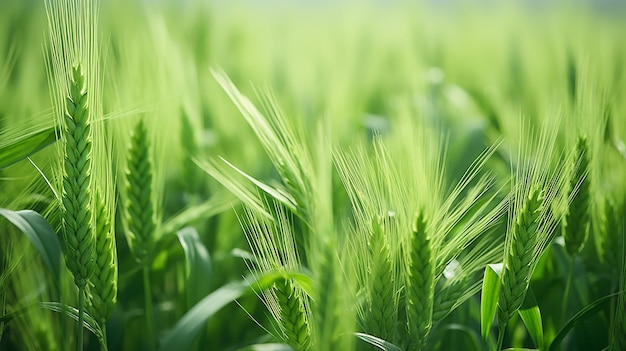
column 41, row 235
column 24, row 147
column 583, row 314
column 489, row 300
column 531, row 316
column 182, row 336
column 198, row 265
column 377, row 342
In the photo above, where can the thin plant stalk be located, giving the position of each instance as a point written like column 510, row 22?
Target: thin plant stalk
column 149, row 312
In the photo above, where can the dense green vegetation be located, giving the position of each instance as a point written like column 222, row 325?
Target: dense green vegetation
column 245, row 176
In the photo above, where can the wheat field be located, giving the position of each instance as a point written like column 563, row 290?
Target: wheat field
column 299, row 175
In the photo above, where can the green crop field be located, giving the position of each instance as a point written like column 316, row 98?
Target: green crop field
column 312, row 176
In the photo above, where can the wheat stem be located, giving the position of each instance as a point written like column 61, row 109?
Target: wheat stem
column 568, row 286
column 148, row 303
column 81, row 318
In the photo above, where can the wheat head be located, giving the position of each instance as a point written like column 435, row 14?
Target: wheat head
column 77, row 231
column 577, row 220
column 102, row 288
column 140, row 213
column 420, row 286
column 519, row 256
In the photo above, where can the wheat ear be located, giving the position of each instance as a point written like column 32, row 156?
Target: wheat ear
column 103, row 283
column 577, row 219
column 293, row 320
column 78, row 233
column 420, row 285
column 519, row 257
column 140, row 214
column 382, row 313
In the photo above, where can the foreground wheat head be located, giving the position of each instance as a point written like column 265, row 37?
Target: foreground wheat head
column 382, row 298
column 519, row 256
column 420, row 285
column 78, row 233
column 275, row 251
column 139, row 208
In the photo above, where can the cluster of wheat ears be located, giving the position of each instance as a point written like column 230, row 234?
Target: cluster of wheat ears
column 371, row 245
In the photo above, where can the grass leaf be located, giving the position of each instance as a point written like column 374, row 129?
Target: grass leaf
column 583, row 314
column 24, row 147
column 198, row 265
column 41, row 235
column 489, row 300
column 531, row 316
column 183, row 334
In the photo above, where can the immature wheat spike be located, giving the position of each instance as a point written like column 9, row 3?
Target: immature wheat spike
column 293, row 318
column 614, row 236
column 139, row 207
column 382, row 316
column 446, row 298
column 103, row 283
column 519, row 256
column 576, row 223
column 77, row 231
column 420, row 286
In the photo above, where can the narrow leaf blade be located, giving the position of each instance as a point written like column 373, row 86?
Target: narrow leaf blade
column 24, row 147
column 182, row 336
column 583, row 314
column 41, row 235
column 489, row 301
column 531, row 316
column 198, row 265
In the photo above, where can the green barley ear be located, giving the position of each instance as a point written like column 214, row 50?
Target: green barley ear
column 383, row 307
column 140, row 213
column 420, row 285
column 77, row 231
column 293, row 316
column 577, row 220
column 272, row 244
column 103, row 283
column 614, row 236
column 519, row 255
